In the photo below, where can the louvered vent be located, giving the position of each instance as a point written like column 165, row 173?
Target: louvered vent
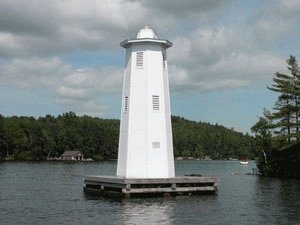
column 139, row 59
column 155, row 144
column 155, row 102
column 126, row 104
column 164, row 61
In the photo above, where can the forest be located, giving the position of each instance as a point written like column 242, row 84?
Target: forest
column 30, row 138
column 277, row 132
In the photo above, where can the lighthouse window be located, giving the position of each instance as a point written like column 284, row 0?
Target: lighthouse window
column 155, row 102
column 155, row 144
column 139, row 59
column 126, row 104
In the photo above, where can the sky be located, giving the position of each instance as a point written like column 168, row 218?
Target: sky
column 64, row 55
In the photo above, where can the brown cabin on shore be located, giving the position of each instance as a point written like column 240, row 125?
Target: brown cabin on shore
column 72, row 155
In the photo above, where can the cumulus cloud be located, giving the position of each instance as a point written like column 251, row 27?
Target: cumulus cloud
column 275, row 20
column 31, row 73
column 60, row 80
column 43, row 28
column 92, row 109
column 207, row 55
column 85, row 84
column 184, row 9
column 219, row 58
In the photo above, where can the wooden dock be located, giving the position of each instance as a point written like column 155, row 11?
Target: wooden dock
column 145, row 187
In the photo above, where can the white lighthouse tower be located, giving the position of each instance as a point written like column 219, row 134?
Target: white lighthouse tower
column 145, row 160
column 145, row 144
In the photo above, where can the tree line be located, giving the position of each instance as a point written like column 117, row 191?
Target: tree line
column 28, row 138
column 277, row 133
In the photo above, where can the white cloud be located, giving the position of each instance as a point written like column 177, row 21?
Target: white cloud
column 85, row 84
column 275, row 20
column 185, row 7
column 60, row 80
column 220, row 58
column 207, row 56
column 32, row 73
column 92, row 109
column 43, row 28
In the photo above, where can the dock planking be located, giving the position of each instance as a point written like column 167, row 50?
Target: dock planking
column 143, row 187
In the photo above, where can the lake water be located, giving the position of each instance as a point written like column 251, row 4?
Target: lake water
column 51, row 193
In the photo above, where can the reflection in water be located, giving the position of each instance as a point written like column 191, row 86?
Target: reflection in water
column 51, row 193
column 147, row 211
column 278, row 200
column 289, row 193
column 159, row 210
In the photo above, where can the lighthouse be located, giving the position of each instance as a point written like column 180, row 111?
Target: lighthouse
column 145, row 158
column 145, row 142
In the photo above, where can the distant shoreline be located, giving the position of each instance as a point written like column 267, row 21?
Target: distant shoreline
column 60, row 160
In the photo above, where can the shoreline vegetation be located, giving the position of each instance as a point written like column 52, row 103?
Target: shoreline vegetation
column 275, row 147
column 61, row 160
column 30, row 139
column 277, row 133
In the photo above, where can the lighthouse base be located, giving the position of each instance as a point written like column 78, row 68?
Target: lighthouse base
column 145, row 187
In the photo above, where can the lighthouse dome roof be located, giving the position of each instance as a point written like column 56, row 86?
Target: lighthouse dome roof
column 147, row 32
column 146, row 35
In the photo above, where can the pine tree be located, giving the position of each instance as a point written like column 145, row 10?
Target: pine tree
column 286, row 118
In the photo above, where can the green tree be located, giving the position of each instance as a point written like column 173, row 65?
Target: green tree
column 2, row 136
column 28, row 138
column 14, row 138
column 263, row 144
column 286, row 116
column 186, row 153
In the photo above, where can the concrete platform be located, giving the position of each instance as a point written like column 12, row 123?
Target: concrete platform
column 140, row 187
